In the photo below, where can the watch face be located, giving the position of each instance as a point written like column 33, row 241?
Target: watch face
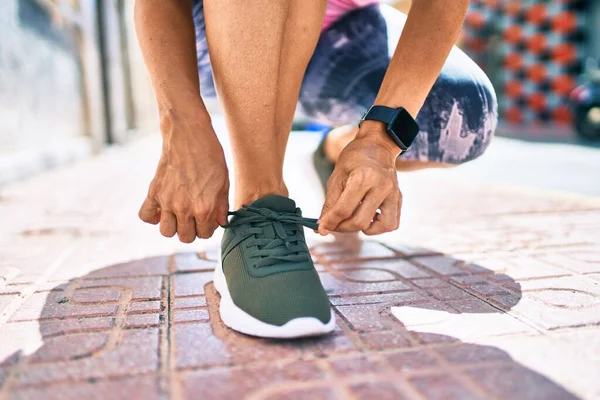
column 394, row 126
column 403, row 127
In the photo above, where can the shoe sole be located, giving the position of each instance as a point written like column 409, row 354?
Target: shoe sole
column 238, row 320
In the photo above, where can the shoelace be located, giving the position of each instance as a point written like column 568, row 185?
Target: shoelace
column 286, row 246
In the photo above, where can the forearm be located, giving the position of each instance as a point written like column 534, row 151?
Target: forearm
column 430, row 32
column 165, row 31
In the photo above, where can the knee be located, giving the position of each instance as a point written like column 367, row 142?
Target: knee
column 459, row 119
column 347, row 67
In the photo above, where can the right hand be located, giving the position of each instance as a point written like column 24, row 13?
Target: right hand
column 189, row 192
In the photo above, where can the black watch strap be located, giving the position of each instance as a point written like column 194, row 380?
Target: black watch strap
column 380, row 113
column 400, row 125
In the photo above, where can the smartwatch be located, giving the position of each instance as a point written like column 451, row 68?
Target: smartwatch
column 399, row 124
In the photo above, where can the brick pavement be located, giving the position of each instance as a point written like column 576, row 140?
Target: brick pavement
column 484, row 292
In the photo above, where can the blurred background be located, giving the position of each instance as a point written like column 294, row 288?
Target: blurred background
column 72, row 83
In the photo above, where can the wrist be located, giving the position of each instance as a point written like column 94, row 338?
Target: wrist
column 376, row 132
column 188, row 118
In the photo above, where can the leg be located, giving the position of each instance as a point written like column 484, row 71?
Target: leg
column 259, row 51
column 459, row 116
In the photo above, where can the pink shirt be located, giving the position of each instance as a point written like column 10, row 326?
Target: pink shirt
column 337, row 8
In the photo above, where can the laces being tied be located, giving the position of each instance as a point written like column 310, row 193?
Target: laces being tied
column 276, row 235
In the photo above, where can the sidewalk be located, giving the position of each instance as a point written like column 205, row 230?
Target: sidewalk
column 485, row 292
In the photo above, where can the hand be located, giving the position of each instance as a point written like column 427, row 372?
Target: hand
column 189, row 192
column 364, row 181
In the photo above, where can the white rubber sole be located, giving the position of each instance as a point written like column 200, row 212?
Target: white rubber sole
column 238, row 320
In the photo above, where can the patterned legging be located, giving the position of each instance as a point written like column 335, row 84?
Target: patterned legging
column 459, row 116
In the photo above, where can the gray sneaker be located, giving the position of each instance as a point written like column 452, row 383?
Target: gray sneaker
column 267, row 280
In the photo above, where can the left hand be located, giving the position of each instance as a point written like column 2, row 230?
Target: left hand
column 364, row 181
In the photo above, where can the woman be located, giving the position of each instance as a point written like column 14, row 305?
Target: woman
column 336, row 59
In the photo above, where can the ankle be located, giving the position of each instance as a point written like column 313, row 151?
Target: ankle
column 247, row 193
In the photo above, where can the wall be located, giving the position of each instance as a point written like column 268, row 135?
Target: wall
column 40, row 86
column 533, row 50
column 72, row 80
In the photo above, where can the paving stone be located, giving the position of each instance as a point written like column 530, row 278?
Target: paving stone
column 398, row 267
column 70, row 346
column 472, row 305
column 443, row 265
column 5, row 300
column 142, row 288
column 431, row 283
column 191, row 315
column 187, row 262
column 137, row 353
column 566, row 298
column 488, row 289
column 377, row 390
column 366, row 317
column 358, row 365
column 518, row 382
column 443, row 387
column 351, row 250
column 213, row 384
column 329, row 345
column 337, row 286
column 472, row 354
column 196, row 346
column 96, row 295
column 144, row 306
column 426, row 338
column 468, row 280
column 145, row 267
column 553, row 317
column 449, row 293
column 383, row 340
column 231, row 384
column 191, row 284
column 367, row 275
column 190, row 302
column 12, row 289
column 390, row 299
column 55, row 286
column 567, row 283
column 306, row 394
column 522, row 267
column 142, row 320
column 143, row 387
column 411, row 361
column 43, row 305
column 579, row 262
column 594, row 276
column 461, row 326
column 407, row 251
column 75, row 325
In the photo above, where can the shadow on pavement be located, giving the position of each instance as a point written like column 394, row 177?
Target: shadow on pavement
column 150, row 329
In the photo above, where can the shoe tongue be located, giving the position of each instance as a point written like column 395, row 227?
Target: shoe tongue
column 276, row 203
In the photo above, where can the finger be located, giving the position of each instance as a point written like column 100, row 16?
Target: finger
column 205, row 214
column 186, row 229
column 150, row 211
column 168, row 224
column 343, row 209
column 363, row 216
column 389, row 218
column 205, row 227
column 334, row 191
column 222, row 210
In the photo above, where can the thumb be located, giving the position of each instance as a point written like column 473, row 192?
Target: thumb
column 334, row 191
column 223, row 210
